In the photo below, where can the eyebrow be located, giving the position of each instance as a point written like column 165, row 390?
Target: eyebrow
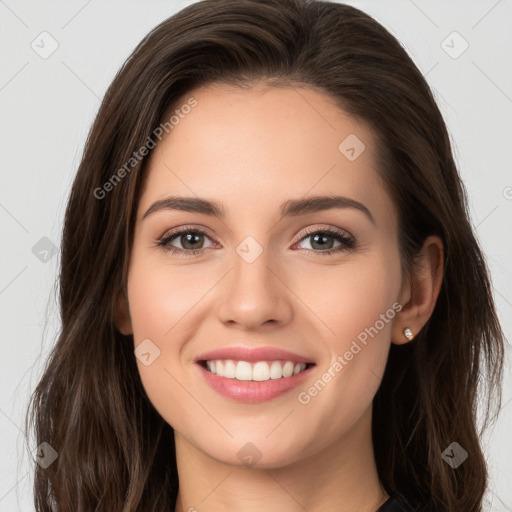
column 290, row 208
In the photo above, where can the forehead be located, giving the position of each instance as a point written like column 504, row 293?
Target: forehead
column 263, row 145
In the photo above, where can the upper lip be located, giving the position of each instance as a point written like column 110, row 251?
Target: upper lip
column 252, row 355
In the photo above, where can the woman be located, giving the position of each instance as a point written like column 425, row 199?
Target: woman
column 271, row 294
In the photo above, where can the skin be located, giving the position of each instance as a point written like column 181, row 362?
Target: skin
column 251, row 150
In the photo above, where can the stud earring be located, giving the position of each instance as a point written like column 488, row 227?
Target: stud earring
column 408, row 333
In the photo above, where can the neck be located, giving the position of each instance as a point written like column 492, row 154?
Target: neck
column 342, row 476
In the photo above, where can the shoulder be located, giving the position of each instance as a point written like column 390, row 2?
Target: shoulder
column 400, row 503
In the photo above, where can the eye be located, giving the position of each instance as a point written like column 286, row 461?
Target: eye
column 324, row 240
column 191, row 241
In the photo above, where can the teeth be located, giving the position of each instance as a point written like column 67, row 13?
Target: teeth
column 243, row 371
column 260, row 371
column 229, row 370
column 288, row 369
column 276, row 370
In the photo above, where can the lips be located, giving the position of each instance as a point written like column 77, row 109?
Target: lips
column 252, row 355
column 253, row 374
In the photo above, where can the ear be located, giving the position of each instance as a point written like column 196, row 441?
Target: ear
column 123, row 321
column 419, row 295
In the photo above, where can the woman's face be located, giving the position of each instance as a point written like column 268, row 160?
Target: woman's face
column 257, row 282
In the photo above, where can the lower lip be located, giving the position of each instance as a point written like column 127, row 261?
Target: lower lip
column 253, row 391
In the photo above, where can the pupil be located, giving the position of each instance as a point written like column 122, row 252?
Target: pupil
column 188, row 239
column 322, row 237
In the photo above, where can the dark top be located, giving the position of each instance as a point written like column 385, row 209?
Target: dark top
column 402, row 504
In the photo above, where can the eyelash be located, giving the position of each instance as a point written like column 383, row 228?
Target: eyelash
column 347, row 242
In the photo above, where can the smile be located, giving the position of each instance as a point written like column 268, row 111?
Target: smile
column 253, row 374
column 254, row 371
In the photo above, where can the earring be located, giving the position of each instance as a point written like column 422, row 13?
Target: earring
column 408, row 333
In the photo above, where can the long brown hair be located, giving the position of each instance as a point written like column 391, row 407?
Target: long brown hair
column 115, row 452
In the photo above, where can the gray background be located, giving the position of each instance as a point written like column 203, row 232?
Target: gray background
column 47, row 106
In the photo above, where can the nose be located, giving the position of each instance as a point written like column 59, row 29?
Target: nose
column 255, row 294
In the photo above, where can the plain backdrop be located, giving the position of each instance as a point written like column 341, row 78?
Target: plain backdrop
column 48, row 102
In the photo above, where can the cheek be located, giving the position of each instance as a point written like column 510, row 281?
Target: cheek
column 364, row 303
column 362, row 312
column 159, row 296
column 156, row 306
column 356, row 307
column 355, row 301
column 163, row 302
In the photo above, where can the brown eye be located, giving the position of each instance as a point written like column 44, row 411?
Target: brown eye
column 322, row 241
column 186, row 241
column 191, row 240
